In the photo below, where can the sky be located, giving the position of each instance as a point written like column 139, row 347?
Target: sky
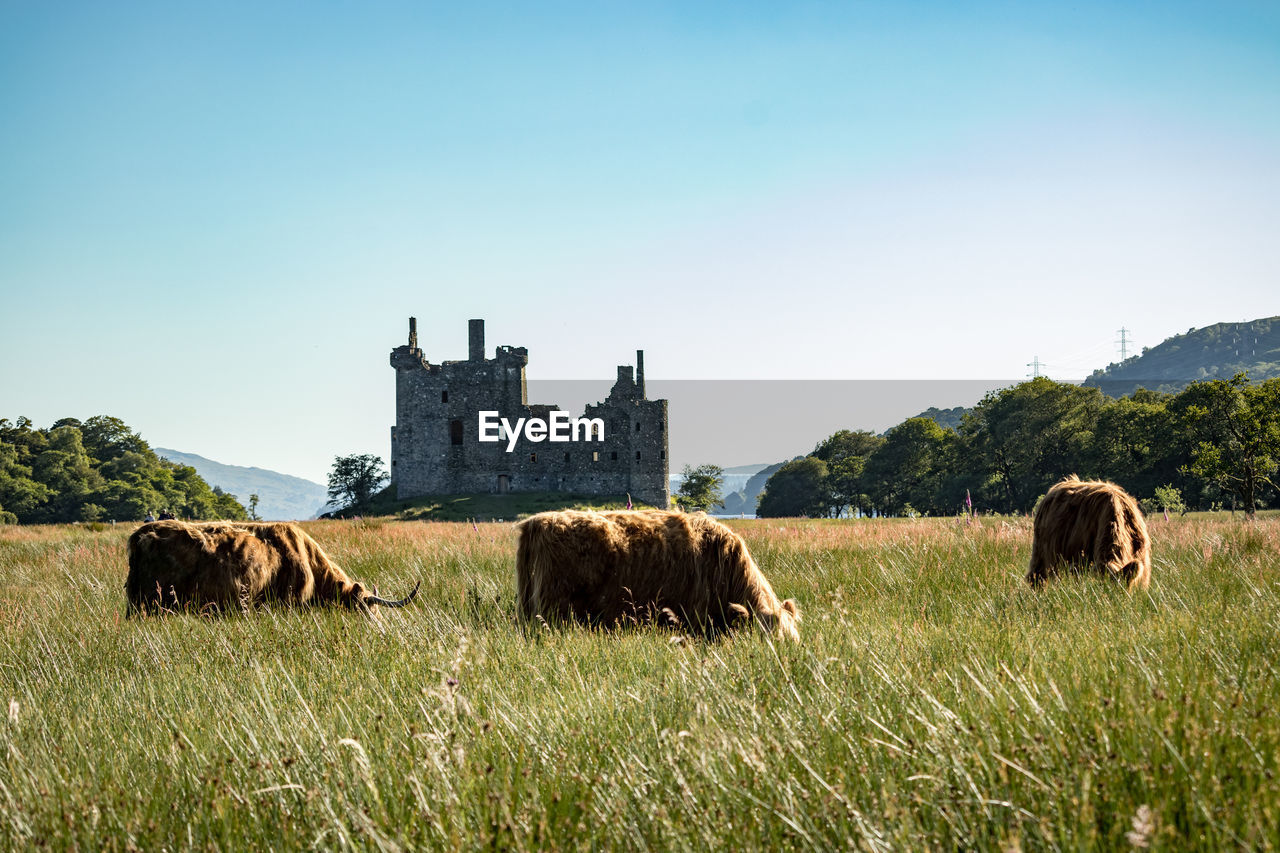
column 216, row 218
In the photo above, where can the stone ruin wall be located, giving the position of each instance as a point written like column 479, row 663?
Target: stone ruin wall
column 435, row 446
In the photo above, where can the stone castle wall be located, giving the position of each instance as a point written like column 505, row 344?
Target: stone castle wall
column 435, row 446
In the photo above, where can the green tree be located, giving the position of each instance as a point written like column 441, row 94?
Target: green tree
column 910, row 467
column 798, row 488
column 845, row 444
column 226, row 505
column 19, row 493
column 354, row 479
column 1235, row 430
column 845, row 486
column 1028, row 437
column 1167, row 499
column 100, row 468
column 253, row 507
column 846, row 453
column 65, row 468
column 26, row 442
column 701, row 488
column 106, row 438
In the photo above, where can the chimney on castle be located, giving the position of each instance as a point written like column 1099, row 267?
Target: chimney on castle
column 640, row 372
column 413, row 333
column 475, row 340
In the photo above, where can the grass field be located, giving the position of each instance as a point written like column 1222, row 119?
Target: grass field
column 483, row 507
column 935, row 703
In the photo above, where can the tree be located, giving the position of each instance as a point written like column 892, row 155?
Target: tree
column 66, row 469
column 253, row 507
column 846, row 453
column 225, row 505
column 77, row 471
column 845, row 486
column 106, row 438
column 845, row 444
column 798, row 488
column 354, row 479
column 701, row 488
column 1235, row 429
column 909, row 468
column 19, row 493
column 1167, row 499
column 1135, row 444
column 1030, row 436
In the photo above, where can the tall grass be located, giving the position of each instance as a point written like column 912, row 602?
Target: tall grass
column 935, row 702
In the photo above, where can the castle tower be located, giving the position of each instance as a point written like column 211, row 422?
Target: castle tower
column 437, row 447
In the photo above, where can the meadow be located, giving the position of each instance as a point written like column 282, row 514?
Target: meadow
column 935, row 702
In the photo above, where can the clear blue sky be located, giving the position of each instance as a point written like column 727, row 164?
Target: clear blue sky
column 216, row 218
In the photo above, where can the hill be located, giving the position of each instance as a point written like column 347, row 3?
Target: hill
column 743, row 501
column 281, row 497
column 945, row 418
column 1215, row 352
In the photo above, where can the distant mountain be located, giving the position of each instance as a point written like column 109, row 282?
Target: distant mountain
column 1214, row 352
column 743, row 500
column 281, row 497
column 735, row 478
column 945, row 418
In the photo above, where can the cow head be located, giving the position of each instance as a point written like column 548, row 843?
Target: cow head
column 781, row 624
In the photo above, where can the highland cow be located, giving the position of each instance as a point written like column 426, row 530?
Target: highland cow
column 1090, row 524
column 607, row 567
column 174, row 564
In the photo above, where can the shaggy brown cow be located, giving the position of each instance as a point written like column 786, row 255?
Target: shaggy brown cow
column 603, row 567
column 1090, row 524
column 232, row 564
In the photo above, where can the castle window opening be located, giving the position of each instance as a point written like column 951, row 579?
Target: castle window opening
column 455, row 432
column 566, row 457
column 533, row 457
column 595, row 456
column 614, row 456
column 637, row 426
column 444, row 396
column 637, row 455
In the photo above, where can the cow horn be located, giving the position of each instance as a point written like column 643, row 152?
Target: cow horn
column 373, row 599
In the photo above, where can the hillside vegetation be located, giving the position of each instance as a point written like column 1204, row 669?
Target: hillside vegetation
column 1213, row 444
column 1219, row 351
column 98, row 470
column 935, row 703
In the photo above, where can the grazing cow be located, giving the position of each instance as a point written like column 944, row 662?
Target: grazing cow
column 1090, row 524
column 234, row 564
column 604, row 567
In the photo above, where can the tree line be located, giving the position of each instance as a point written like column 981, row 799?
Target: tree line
column 1213, row 444
column 96, row 470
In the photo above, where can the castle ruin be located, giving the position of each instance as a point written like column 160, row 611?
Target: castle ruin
column 436, row 446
